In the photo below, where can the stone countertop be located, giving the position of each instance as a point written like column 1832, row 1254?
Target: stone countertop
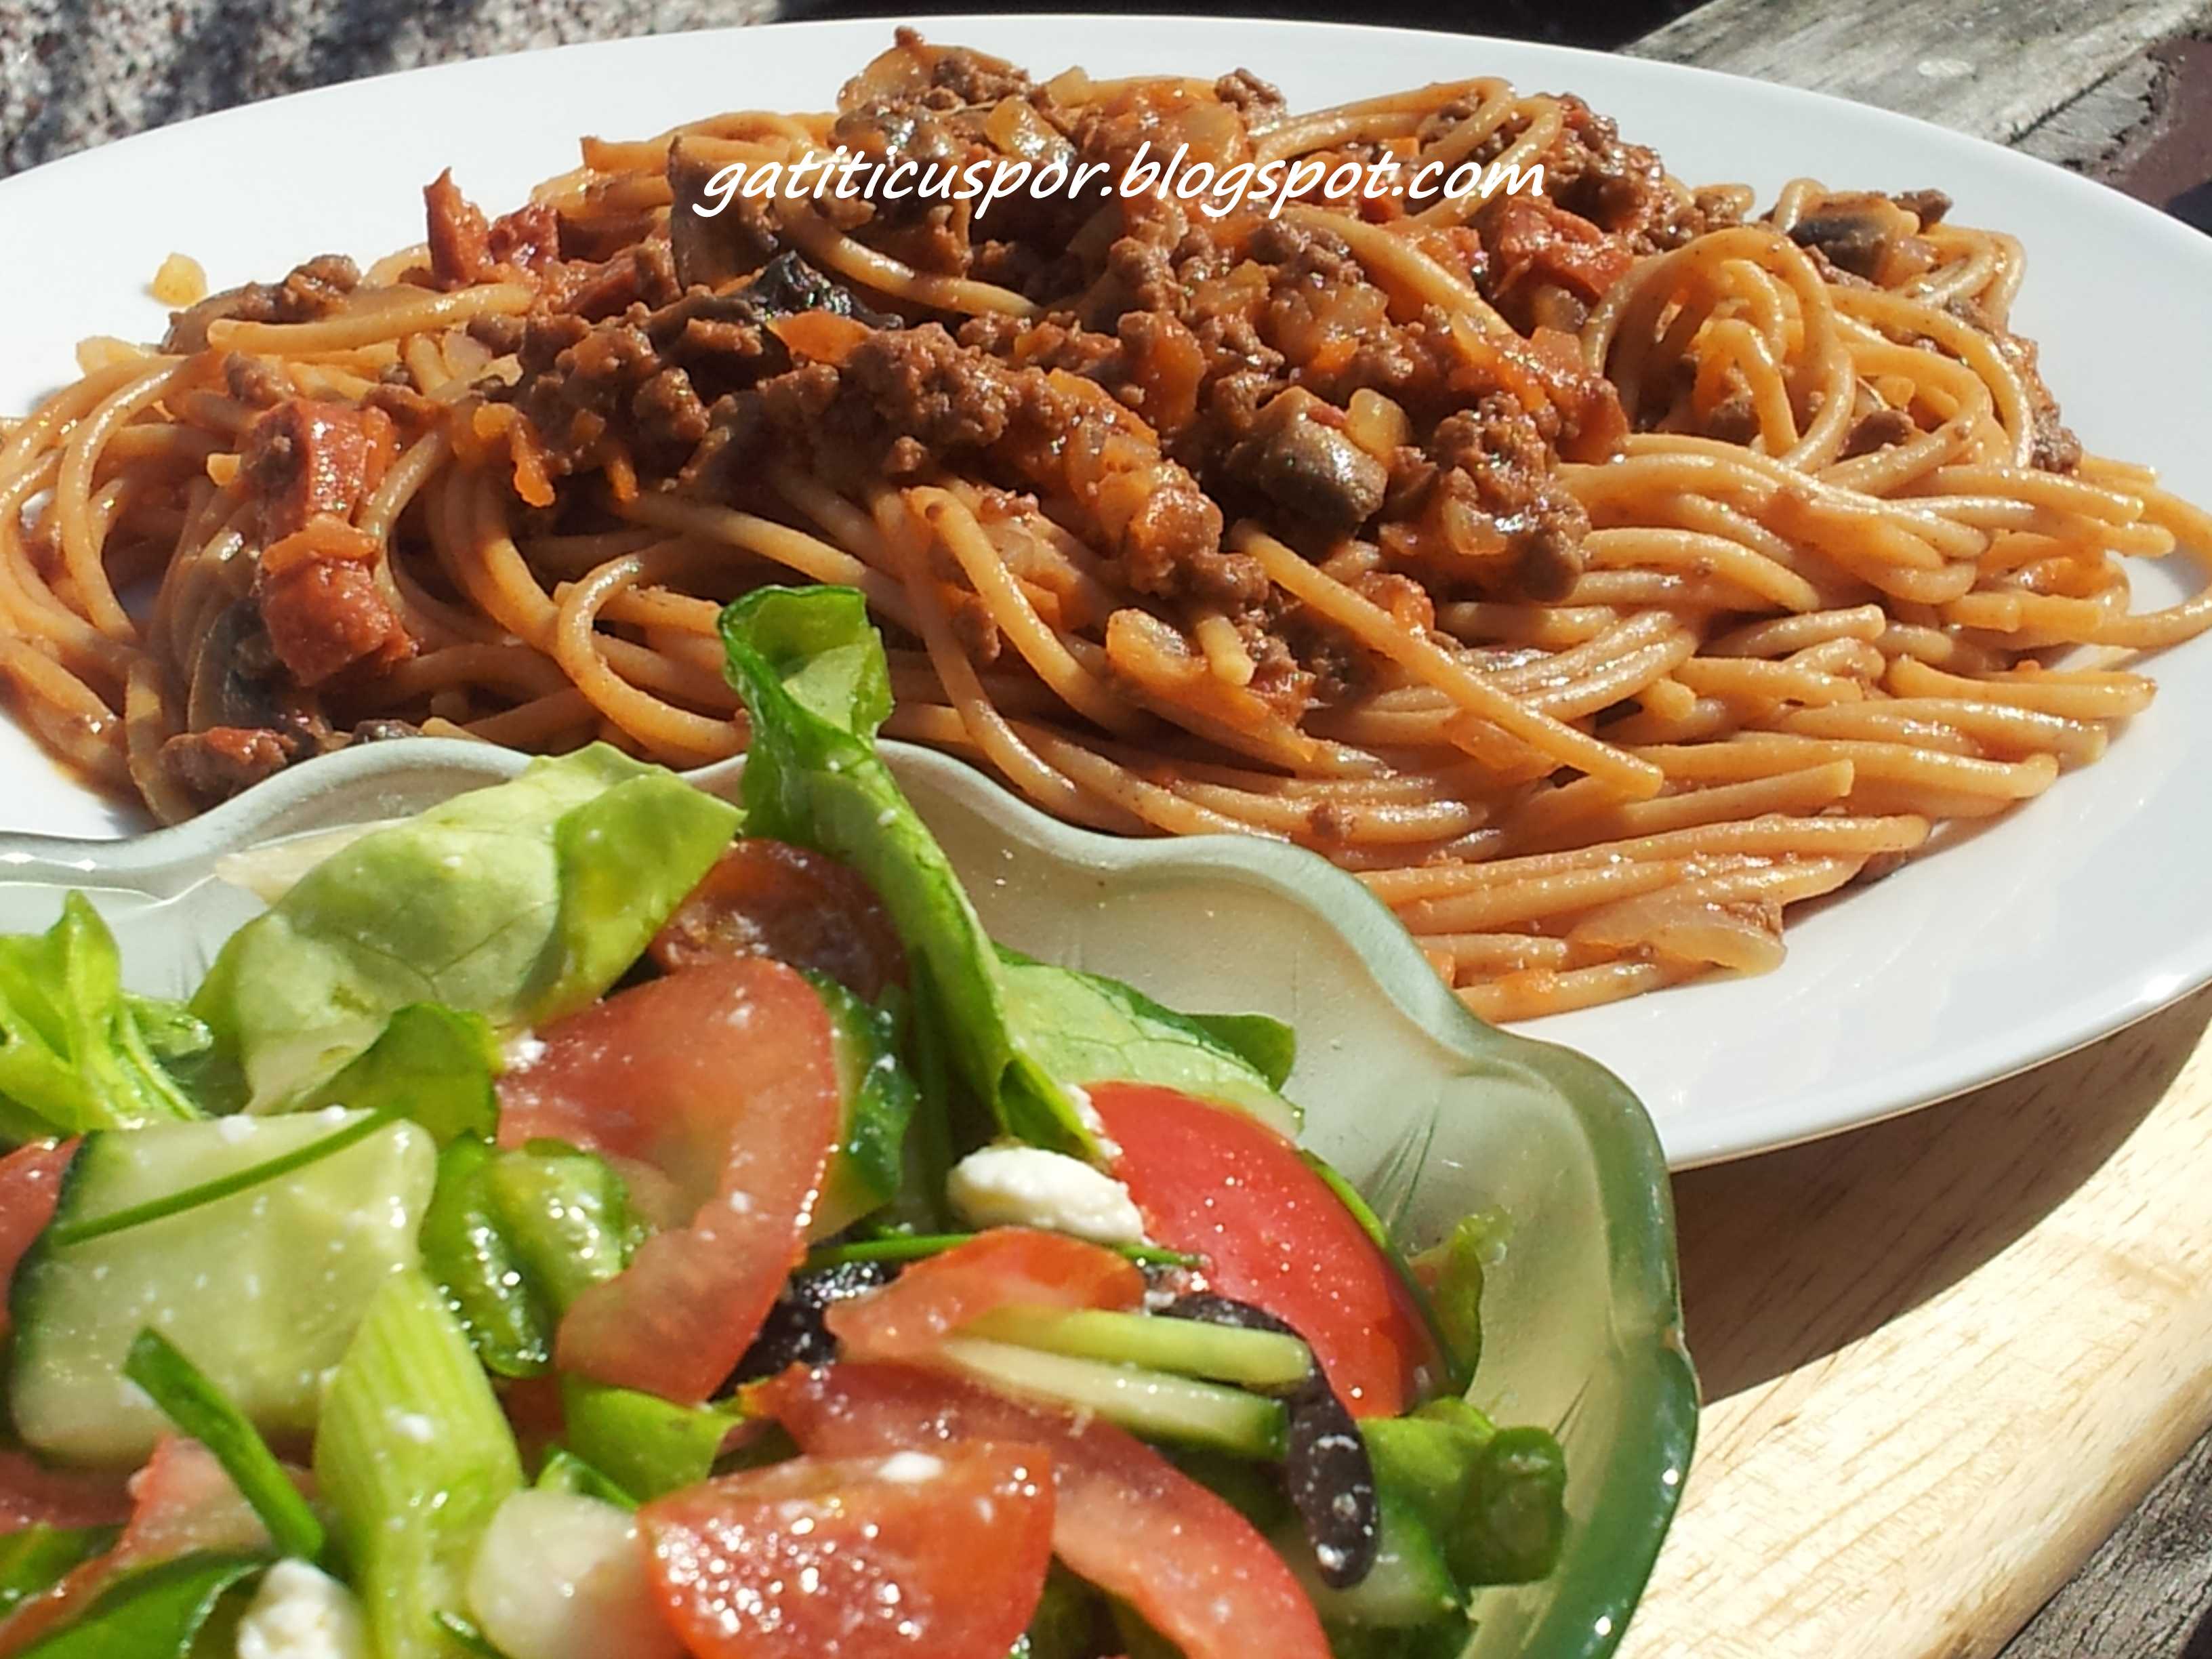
column 75, row 73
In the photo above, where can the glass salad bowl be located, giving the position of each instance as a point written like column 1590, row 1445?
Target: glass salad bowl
column 1432, row 1114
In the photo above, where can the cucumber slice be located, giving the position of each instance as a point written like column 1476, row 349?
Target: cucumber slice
column 1153, row 1404
column 879, row 1097
column 1264, row 1359
column 1409, row 1585
column 261, row 1289
column 416, row 1457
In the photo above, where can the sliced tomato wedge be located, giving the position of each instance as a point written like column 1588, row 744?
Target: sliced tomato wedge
column 940, row 1553
column 721, row 1078
column 769, row 898
column 33, row 1494
column 1221, row 1184
column 30, row 1183
column 1007, row 1267
column 180, row 1503
column 1126, row 1518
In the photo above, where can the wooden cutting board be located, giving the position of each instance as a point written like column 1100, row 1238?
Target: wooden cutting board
column 1942, row 1357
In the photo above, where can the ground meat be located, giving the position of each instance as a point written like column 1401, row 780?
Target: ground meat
column 1878, row 428
column 214, row 765
column 1256, row 100
column 644, row 380
column 255, row 380
column 311, row 291
column 671, row 418
column 915, row 399
column 306, row 457
column 1592, row 173
column 1480, row 509
column 642, row 274
column 2053, row 446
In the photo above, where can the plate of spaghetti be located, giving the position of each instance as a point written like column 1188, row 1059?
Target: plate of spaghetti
column 1684, row 604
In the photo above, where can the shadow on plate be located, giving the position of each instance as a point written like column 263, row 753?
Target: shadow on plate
column 1794, row 1255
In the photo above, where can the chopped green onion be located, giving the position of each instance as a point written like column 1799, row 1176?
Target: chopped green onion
column 467, row 1635
column 222, row 1187
column 202, row 1410
column 564, row 1471
column 414, row 1455
column 35, row 1560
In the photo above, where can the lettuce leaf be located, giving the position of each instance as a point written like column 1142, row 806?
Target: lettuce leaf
column 519, row 902
column 74, row 1054
column 1085, row 1028
column 811, row 672
column 432, row 1063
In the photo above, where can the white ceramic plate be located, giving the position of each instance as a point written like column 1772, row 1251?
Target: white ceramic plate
column 2082, row 912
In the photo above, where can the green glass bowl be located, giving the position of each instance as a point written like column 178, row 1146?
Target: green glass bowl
column 1432, row 1113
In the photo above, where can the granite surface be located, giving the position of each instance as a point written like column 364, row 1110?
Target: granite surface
column 75, row 73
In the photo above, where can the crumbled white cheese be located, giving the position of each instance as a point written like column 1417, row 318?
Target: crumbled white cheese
column 1014, row 1186
column 520, row 1050
column 910, row 1468
column 301, row 1614
column 1086, row 1114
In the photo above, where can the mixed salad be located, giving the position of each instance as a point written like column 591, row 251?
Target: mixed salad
column 587, row 1220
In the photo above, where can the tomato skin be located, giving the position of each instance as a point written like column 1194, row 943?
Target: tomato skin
column 180, row 1503
column 1217, row 1182
column 769, row 898
column 871, row 1558
column 1007, row 1266
column 1126, row 1518
column 721, row 1078
column 30, row 1183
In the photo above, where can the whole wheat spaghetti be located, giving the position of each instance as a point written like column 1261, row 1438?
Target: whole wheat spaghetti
column 1597, row 572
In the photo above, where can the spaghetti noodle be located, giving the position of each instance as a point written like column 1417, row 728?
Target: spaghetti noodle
column 1595, row 573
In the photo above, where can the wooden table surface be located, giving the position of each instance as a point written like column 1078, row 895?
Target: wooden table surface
column 1804, row 1270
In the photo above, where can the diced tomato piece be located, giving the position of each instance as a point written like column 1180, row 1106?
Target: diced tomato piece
column 769, row 898
column 1221, row 1184
column 1126, row 1518
column 181, row 1501
column 1007, row 1267
column 33, row 1494
column 30, row 1182
column 941, row 1553
column 722, row 1079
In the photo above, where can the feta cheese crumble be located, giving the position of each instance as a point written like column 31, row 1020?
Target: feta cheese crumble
column 910, row 1468
column 1009, row 1185
column 299, row 1613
